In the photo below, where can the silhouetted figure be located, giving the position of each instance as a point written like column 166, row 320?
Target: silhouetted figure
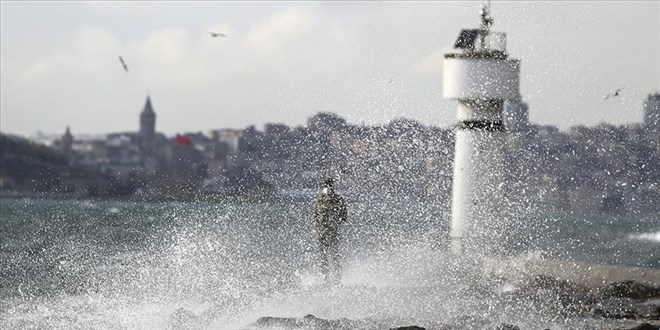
column 329, row 213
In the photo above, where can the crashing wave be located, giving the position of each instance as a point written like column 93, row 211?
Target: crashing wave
column 653, row 237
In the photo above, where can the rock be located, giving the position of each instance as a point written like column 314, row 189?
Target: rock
column 545, row 293
column 504, row 326
column 618, row 308
column 269, row 321
column 647, row 311
column 309, row 322
column 629, row 289
column 550, row 283
column 412, row 327
column 645, row 326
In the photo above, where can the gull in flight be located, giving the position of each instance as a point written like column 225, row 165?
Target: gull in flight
column 121, row 59
column 217, row 34
column 616, row 93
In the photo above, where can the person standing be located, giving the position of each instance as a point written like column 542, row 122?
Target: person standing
column 329, row 214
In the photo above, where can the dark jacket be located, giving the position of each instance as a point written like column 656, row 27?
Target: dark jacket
column 329, row 213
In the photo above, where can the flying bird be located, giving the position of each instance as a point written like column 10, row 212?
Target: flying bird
column 217, row 34
column 616, row 93
column 121, row 59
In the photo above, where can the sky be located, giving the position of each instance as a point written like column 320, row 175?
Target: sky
column 282, row 62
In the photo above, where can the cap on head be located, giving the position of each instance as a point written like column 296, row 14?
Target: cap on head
column 328, row 182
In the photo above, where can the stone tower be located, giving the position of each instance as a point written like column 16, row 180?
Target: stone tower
column 147, row 134
column 67, row 142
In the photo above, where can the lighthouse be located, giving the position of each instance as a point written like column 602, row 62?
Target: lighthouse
column 480, row 75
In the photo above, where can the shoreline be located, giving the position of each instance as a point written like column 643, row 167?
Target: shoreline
column 587, row 274
column 570, row 295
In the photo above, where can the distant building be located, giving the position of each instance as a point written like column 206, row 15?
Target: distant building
column 516, row 116
column 122, row 155
column 198, row 140
column 547, row 131
column 652, row 111
column 275, row 130
column 229, row 136
column 67, row 141
column 147, row 131
column 325, row 122
column 65, row 144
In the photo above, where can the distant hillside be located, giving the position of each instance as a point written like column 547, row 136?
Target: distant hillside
column 26, row 166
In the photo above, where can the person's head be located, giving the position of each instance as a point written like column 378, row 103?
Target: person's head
column 327, row 185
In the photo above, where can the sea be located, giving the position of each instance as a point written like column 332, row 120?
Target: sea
column 76, row 264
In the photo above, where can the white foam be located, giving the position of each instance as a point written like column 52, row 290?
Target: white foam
column 309, row 280
column 652, row 237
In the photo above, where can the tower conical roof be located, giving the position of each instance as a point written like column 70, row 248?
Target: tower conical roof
column 147, row 106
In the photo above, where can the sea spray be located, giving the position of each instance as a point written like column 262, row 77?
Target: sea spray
column 69, row 264
column 651, row 237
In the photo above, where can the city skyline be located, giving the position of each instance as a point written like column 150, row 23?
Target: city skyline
column 284, row 62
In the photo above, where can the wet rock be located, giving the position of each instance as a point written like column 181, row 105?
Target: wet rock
column 629, row 289
column 269, row 321
column 647, row 311
column 625, row 308
column 627, row 300
column 551, row 283
column 309, row 322
column 504, row 326
column 613, row 314
column 545, row 293
column 645, row 326
column 620, row 308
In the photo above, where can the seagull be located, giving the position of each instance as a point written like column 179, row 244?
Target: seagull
column 616, row 93
column 121, row 59
column 217, row 34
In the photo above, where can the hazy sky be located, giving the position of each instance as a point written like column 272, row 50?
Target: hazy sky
column 282, row 62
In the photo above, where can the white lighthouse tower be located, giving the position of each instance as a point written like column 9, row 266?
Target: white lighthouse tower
column 481, row 76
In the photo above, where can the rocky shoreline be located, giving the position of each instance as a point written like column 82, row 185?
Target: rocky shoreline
column 617, row 305
column 634, row 305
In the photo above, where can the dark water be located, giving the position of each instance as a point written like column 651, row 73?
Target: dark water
column 117, row 265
